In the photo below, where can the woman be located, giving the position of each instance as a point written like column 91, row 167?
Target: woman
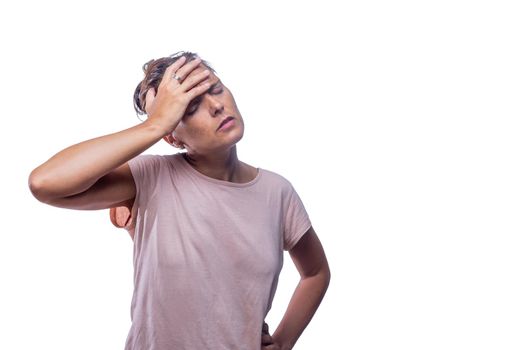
column 208, row 230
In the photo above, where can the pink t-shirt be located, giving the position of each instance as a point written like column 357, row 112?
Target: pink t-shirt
column 207, row 254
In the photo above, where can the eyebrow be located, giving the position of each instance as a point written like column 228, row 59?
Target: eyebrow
column 214, row 85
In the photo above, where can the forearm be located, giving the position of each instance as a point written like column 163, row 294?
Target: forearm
column 78, row 167
column 301, row 308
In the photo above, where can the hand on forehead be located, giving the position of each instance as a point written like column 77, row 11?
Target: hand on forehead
column 211, row 78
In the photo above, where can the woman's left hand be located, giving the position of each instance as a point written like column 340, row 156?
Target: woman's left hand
column 267, row 341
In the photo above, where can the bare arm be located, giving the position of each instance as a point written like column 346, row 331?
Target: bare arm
column 76, row 169
column 310, row 260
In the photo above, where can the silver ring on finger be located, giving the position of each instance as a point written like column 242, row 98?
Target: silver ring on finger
column 177, row 78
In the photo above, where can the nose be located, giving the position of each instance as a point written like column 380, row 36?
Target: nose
column 216, row 105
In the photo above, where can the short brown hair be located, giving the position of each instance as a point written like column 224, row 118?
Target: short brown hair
column 154, row 71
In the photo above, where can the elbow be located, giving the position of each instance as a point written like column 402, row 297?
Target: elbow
column 327, row 276
column 322, row 277
column 37, row 187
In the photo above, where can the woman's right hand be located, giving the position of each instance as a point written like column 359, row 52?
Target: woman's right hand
column 167, row 106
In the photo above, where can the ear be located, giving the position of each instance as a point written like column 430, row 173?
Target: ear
column 172, row 140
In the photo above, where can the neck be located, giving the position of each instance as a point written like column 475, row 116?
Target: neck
column 221, row 166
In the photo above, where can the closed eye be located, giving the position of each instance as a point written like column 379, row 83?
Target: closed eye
column 216, row 90
column 193, row 106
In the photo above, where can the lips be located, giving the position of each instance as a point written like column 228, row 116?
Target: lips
column 225, row 121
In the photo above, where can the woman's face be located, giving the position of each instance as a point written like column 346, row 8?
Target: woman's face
column 199, row 130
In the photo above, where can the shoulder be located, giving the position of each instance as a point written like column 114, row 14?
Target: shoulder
column 150, row 161
column 278, row 181
column 149, row 158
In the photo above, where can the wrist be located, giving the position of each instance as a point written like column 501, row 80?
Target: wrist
column 282, row 345
column 157, row 128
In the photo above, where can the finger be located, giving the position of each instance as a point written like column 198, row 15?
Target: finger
column 265, row 328
column 170, row 71
column 194, row 80
column 270, row 347
column 187, row 68
column 150, row 98
column 198, row 90
column 266, row 339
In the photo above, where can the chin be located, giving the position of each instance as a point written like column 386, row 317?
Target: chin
column 234, row 139
column 240, row 134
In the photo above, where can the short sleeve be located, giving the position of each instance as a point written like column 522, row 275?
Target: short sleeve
column 144, row 169
column 296, row 222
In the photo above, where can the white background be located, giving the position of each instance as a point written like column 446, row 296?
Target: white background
column 400, row 124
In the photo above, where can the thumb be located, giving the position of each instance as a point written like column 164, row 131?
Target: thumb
column 150, row 98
